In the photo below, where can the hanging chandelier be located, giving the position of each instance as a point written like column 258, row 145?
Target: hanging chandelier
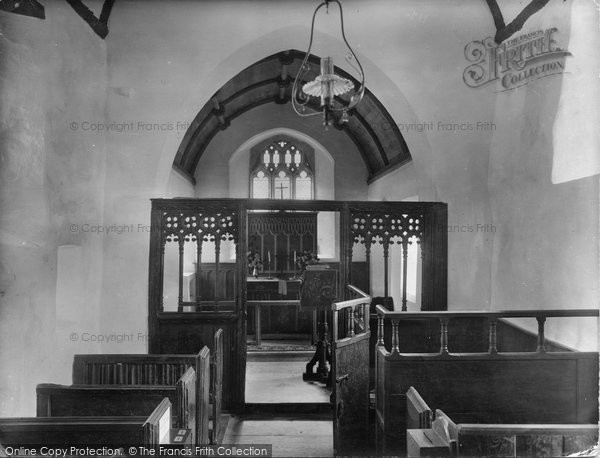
column 336, row 93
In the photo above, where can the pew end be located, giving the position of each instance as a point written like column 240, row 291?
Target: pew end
column 418, row 413
column 83, row 431
column 157, row 428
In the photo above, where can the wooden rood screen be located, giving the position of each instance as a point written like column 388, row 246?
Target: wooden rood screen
column 198, row 265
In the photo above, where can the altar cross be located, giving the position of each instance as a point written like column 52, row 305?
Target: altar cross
column 280, row 188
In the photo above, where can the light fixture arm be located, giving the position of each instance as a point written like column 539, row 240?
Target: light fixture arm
column 300, row 96
column 361, row 90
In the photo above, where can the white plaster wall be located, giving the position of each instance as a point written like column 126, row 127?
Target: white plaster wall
column 537, row 243
column 179, row 185
column 223, row 169
column 53, row 80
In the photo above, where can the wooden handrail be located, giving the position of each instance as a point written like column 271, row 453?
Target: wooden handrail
column 357, row 290
column 492, row 318
column 364, row 299
column 356, row 314
column 548, row 313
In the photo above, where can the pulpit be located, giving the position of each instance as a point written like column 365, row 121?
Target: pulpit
column 318, row 292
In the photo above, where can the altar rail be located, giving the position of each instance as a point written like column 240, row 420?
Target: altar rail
column 480, row 387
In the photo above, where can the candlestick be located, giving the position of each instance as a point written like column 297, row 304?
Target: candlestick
column 269, row 257
column 294, row 265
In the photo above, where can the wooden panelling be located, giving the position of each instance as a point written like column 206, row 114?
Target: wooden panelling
column 526, row 388
column 525, row 440
column 188, row 332
column 359, row 275
column 352, row 394
column 227, row 281
column 279, row 235
column 349, row 365
column 484, row 391
column 492, row 445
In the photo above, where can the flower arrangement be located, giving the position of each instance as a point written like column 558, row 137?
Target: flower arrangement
column 254, row 260
column 305, row 258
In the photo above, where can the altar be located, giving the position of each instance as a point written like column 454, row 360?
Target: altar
column 274, row 310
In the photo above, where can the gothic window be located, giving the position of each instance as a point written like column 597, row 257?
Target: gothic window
column 282, row 172
column 261, row 185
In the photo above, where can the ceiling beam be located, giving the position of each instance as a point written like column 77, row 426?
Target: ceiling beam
column 98, row 25
column 272, row 84
column 504, row 31
column 30, row 8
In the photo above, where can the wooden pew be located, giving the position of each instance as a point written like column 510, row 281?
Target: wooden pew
column 114, row 400
column 109, row 369
column 556, row 387
column 110, row 431
column 117, row 369
column 446, row 438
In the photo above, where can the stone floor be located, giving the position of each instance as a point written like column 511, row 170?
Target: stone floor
column 303, row 435
column 277, row 378
column 273, row 380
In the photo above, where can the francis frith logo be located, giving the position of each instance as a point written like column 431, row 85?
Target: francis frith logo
column 515, row 62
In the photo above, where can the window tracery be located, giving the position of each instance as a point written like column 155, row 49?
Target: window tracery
column 284, row 172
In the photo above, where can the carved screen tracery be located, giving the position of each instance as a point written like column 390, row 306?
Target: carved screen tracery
column 209, row 226
column 369, row 228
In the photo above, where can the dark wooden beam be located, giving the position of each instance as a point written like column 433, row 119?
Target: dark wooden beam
column 519, row 21
column 395, row 163
column 496, row 14
column 98, row 25
column 106, row 9
column 504, row 31
column 373, row 137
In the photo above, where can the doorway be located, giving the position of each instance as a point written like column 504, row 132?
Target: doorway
column 282, row 334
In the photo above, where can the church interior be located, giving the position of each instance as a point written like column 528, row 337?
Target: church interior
column 325, row 228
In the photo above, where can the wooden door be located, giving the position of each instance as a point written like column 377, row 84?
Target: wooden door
column 350, row 375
